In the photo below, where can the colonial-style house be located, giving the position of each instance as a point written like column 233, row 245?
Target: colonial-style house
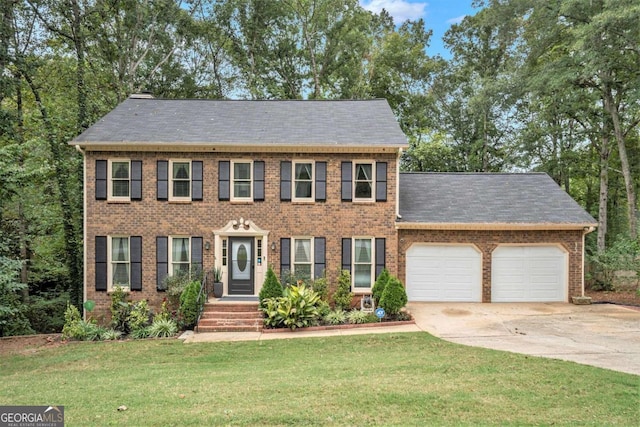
column 310, row 187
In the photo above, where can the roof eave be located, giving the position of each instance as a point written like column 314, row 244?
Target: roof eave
column 237, row 147
column 494, row 226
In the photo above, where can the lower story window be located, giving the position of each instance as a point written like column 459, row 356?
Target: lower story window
column 120, row 262
column 180, row 256
column 362, row 263
column 302, row 257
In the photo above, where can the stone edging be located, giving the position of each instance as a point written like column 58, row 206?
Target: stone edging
column 338, row 327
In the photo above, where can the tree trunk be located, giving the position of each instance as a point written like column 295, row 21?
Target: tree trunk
column 604, row 192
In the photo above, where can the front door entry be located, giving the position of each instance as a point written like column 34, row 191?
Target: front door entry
column 241, row 271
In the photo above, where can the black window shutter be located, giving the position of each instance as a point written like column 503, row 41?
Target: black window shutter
column 196, row 180
column 321, row 181
column 101, row 180
column 135, row 243
column 258, row 181
column 346, row 254
column 196, row 253
column 162, row 261
column 347, row 179
column 224, row 175
column 101, row 263
column 285, row 181
column 163, row 180
column 136, row 180
column 380, row 255
column 381, row 181
column 285, row 256
column 319, row 262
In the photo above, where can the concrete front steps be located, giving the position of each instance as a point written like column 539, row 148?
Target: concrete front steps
column 230, row 317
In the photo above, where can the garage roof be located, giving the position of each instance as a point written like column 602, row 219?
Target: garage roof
column 282, row 123
column 527, row 200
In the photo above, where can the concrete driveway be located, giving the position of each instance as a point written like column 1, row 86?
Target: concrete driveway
column 603, row 335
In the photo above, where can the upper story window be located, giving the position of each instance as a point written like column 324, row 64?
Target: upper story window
column 119, row 184
column 180, row 180
column 363, row 182
column 303, row 181
column 180, row 255
column 241, row 177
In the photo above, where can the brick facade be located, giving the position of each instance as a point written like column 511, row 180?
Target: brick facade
column 487, row 240
column 332, row 219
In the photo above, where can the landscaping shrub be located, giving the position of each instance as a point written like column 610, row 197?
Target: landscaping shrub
column 394, row 297
column 72, row 320
column 622, row 255
column 111, row 335
column 343, row 296
column 45, row 312
column 189, row 306
column 321, row 287
column 271, row 288
column 139, row 318
column 297, row 308
column 378, row 287
column 163, row 328
column 120, row 310
column 357, row 316
column 336, row 317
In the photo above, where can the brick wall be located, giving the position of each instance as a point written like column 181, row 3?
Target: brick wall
column 149, row 218
column 487, row 240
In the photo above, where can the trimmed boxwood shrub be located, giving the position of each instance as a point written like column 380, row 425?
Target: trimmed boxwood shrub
column 189, row 304
column 271, row 288
column 394, row 297
column 378, row 287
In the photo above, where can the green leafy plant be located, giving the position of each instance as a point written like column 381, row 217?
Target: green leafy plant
column 175, row 285
column 12, row 309
column 111, row 335
column 271, row 288
column 321, row 287
column 297, row 308
column 394, row 297
column 217, row 274
column 357, row 317
column 343, row 296
column 72, row 319
column 120, row 310
column 378, row 287
column 163, row 328
column 189, row 306
column 164, row 313
column 335, row 317
column 139, row 316
column 622, row 255
column 140, row 333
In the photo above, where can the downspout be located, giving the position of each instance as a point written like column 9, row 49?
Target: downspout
column 398, row 216
column 585, row 231
column 84, row 229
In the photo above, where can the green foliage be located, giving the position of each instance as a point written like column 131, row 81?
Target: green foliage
column 175, row 285
column 271, row 288
column 46, row 312
column 111, row 335
column 12, row 309
column 335, row 317
column 622, row 255
column 217, row 274
column 378, row 287
column 140, row 333
column 357, row 316
column 163, row 328
column 120, row 310
column 72, row 318
column 189, row 306
column 164, row 313
column 394, row 297
column 343, row 296
column 139, row 316
column 297, row 308
column 321, row 287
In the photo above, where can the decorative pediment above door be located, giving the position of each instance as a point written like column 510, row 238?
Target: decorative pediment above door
column 241, row 227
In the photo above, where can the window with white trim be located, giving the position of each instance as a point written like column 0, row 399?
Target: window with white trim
column 303, row 188
column 363, row 181
column 120, row 263
column 363, row 265
column 179, row 255
column 180, row 177
column 224, row 252
column 241, row 180
column 119, row 180
column 302, row 256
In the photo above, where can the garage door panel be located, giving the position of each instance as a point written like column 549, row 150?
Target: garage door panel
column 528, row 274
column 443, row 273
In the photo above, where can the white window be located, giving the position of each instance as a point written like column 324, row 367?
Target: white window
column 241, row 180
column 363, row 181
column 363, row 256
column 303, row 181
column 120, row 180
column 180, row 255
column 120, row 262
column 180, row 173
column 302, row 255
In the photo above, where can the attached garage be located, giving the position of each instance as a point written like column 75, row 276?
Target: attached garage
column 444, row 273
column 528, row 274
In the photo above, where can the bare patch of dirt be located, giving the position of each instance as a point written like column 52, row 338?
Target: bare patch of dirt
column 627, row 296
column 28, row 344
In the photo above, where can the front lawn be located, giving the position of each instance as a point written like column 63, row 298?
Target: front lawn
column 387, row 379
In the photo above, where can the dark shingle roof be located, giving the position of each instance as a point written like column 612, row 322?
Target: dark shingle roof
column 487, row 198
column 321, row 123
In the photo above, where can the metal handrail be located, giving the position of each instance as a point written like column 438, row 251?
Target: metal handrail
column 202, row 294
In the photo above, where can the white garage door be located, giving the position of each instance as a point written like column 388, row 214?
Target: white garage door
column 444, row 273
column 528, row 274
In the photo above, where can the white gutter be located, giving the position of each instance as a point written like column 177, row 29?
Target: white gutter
column 84, row 229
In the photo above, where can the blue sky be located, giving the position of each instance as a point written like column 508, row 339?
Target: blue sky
column 438, row 15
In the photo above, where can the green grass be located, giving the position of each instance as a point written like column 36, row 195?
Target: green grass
column 387, row 379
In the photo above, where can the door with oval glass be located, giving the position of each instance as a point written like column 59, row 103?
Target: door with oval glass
column 241, row 271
